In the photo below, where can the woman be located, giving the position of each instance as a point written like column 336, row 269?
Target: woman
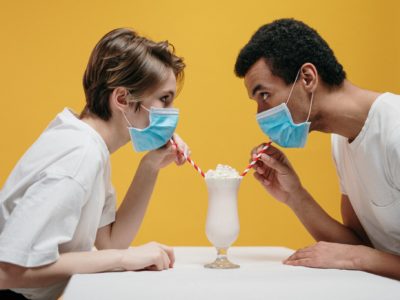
column 58, row 202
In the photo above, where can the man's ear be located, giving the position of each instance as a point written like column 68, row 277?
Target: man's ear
column 119, row 99
column 309, row 77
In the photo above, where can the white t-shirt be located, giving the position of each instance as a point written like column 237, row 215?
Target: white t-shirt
column 369, row 171
column 56, row 198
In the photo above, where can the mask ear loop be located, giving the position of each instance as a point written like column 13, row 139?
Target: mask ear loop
column 144, row 107
column 309, row 111
column 134, row 101
column 291, row 90
column 123, row 113
column 130, row 125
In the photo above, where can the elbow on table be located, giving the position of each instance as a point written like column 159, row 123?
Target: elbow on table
column 10, row 275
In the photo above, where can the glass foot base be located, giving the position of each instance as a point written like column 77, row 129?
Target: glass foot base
column 221, row 263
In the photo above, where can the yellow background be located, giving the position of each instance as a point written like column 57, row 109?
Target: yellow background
column 45, row 46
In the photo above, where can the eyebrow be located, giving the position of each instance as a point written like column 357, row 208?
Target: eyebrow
column 256, row 89
column 171, row 93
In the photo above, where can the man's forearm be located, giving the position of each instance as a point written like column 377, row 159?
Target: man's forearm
column 318, row 223
column 379, row 262
column 13, row 276
column 131, row 212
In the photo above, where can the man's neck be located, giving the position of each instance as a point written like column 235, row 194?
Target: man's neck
column 343, row 110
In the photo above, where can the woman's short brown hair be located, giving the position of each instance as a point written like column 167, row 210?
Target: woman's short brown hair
column 124, row 59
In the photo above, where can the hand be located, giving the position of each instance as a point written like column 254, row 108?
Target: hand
column 326, row 255
column 152, row 256
column 276, row 174
column 163, row 156
column 182, row 149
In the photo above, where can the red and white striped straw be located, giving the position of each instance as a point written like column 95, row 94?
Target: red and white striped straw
column 195, row 166
column 255, row 159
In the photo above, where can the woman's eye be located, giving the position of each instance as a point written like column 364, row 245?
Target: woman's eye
column 164, row 99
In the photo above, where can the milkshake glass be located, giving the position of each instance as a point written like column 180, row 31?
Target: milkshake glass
column 222, row 225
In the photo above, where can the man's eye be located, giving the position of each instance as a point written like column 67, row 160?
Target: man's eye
column 264, row 96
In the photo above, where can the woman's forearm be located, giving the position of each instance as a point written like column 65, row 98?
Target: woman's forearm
column 13, row 276
column 132, row 210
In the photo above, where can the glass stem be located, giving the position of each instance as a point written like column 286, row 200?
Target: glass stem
column 222, row 253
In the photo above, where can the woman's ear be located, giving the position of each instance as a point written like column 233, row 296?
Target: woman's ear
column 309, row 77
column 119, row 99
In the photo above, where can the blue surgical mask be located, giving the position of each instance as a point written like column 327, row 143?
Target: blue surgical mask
column 163, row 122
column 278, row 124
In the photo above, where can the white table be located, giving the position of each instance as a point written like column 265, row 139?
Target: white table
column 261, row 276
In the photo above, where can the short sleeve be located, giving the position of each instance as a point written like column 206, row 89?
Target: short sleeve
column 108, row 213
column 393, row 158
column 43, row 218
column 336, row 159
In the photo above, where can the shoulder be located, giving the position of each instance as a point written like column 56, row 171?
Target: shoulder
column 68, row 147
column 387, row 109
column 389, row 120
column 81, row 160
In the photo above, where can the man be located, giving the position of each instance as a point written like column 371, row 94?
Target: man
column 299, row 86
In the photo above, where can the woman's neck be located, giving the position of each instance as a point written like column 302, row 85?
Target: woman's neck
column 113, row 135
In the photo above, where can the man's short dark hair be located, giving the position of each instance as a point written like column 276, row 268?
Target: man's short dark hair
column 286, row 44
